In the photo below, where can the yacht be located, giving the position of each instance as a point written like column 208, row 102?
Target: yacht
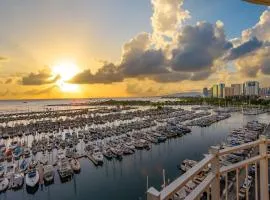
column 64, row 169
column 3, row 184
column 187, row 165
column 24, row 165
column 32, row 178
column 48, row 173
column 97, row 156
column 10, row 171
column 2, row 169
column 18, row 180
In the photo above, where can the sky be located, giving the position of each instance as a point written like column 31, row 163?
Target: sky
column 120, row 48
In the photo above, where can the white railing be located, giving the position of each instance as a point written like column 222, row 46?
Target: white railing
column 211, row 183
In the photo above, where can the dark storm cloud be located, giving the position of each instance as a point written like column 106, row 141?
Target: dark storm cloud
column 109, row 73
column 40, row 78
column 245, row 48
column 198, row 47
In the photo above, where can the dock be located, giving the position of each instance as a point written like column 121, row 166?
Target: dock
column 41, row 174
column 90, row 157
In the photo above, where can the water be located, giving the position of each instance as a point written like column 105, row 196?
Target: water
column 127, row 179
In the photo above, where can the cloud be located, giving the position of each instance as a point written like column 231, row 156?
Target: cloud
column 243, row 49
column 109, row 73
column 40, row 78
column 39, row 91
column 8, row 81
column 261, row 30
column 3, row 59
column 136, row 89
column 198, row 47
column 168, row 16
column 251, row 55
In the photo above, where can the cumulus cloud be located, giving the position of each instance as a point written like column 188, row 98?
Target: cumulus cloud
column 243, row 49
column 40, row 78
column 252, row 54
column 261, row 30
column 168, row 16
column 198, row 47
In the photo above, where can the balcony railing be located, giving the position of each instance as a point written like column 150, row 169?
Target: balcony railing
column 211, row 183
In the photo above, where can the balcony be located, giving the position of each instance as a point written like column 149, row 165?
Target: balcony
column 224, row 181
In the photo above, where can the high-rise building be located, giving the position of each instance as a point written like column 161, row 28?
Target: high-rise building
column 215, row 91
column 264, row 92
column 221, row 87
column 238, row 89
column 210, row 92
column 251, row 88
column 205, row 92
column 228, row 92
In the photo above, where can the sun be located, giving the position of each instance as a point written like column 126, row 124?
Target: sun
column 66, row 70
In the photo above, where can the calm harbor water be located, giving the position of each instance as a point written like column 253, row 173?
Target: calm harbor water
column 126, row 179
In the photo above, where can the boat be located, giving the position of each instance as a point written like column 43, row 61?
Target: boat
column 44, row 159
column 48, row 173
column 97, row 156
column 24, row 165
column 2, row 169
column 108, row 153
column 18, row 180
column 75, row 165
column 187, row 165
column 10, row 171
column 64, row 169
column 4, row 183
column 32, row 164
column 32, row 178
column 26, row 152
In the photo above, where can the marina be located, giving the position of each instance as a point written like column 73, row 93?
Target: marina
column 58, row 159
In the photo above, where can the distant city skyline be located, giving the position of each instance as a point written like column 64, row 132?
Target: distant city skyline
column 248, row 88
column 125, row 48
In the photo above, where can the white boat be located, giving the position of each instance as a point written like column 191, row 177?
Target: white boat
column 64, row 169
column 187, row 164
column 2, row 169
column 32, row 178
column 3, row 184
column 97, row 156
column 18, row 180
column 48, row 173
column 10, row 171
column 75, row 165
